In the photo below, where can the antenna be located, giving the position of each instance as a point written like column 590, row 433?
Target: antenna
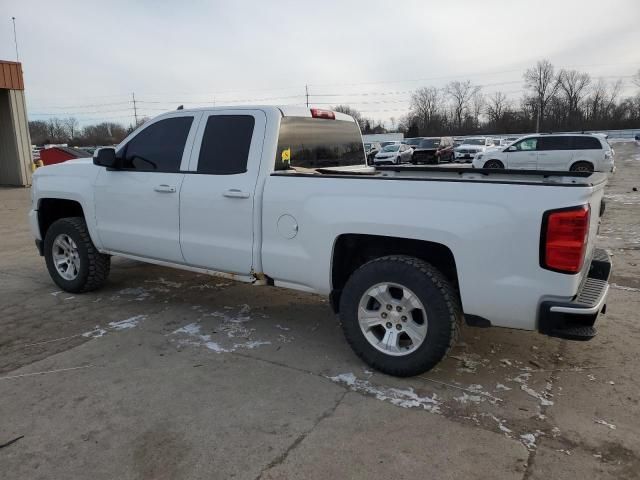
column 15, row 38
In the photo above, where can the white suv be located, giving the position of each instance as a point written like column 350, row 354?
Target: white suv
column 469, row 147
column 561, row 152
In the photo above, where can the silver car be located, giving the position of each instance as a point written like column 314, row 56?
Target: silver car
column 393, row 155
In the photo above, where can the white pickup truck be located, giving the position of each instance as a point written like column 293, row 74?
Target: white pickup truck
column 282, row 196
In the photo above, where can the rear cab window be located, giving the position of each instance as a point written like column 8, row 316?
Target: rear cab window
column 306, row 144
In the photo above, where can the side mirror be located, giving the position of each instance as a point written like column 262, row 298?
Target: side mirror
column 105, row 157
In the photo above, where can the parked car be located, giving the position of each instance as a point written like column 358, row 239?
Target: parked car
column 281, row 196
column 371, row 150
column 433, row 150
column 470, row 146
column 395, row 153
column 560, row 152
column 413, row 142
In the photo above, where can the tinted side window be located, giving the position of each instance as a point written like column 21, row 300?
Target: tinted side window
column 317, row 143
column 553, row 143
column 586, row 143
column 225, row 144
column 158, row 147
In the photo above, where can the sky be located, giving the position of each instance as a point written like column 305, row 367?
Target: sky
column 86, row 58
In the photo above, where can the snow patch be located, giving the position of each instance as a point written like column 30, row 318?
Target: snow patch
column 127, row 323
column 405, row 398
column 166, row 283
column 95, row 333
column 193, row 332
column 466, row 398
column 605, row 423
column 528, row 440
column 621, row 287
column 138, row 292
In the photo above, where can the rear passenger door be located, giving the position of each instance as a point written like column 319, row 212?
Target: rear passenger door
column 554, row 153
column 217, row 201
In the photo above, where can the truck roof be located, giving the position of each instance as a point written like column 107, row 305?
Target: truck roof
column 284, row 110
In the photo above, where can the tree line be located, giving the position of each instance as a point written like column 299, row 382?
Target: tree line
column 68, row 130
column 553, row 100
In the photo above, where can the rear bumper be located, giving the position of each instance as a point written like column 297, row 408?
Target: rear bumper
column 575, row 319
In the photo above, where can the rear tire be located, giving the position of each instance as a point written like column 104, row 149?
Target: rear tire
column 493, row 164
column 581, row 167
column 73, row 261
column 400, row 315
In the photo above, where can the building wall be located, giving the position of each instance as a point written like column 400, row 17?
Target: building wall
column 15, row 141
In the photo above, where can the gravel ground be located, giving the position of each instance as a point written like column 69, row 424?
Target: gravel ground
column 166, row 374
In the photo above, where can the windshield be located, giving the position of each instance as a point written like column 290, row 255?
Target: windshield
column 391, row 148
column 474, row 141
column 430, row 143
column 310, row 143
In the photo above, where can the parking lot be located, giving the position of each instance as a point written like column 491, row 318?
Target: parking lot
column 165, row 374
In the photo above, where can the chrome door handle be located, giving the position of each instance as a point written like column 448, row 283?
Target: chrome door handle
column 165, row 188
column 235, row 193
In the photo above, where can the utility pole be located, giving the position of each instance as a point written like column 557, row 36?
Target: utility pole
column 15, row 38
column 306, row 90
column 135, row 109
column 538, row 118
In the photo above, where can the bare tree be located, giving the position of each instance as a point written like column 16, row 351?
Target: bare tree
column 460, row 94
column 347, row 110
column 636, row 79
column 478, row 102
column 426, row 104
column 573, row 85
column 496, row 106
column 612, row 98
column 71, row 125
column 542, row 83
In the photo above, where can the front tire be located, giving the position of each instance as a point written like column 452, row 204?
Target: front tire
column 400, row 315
column 493, row 164
column 73, row 261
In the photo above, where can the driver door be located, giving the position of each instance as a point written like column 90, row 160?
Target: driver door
column 138, row 204
column 523, row 154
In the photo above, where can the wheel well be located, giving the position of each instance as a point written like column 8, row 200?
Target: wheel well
column 495, row 160
column 578, row 162
column 354, row 250
column 52, row 209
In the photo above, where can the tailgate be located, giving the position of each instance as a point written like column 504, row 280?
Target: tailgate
column 596, row 203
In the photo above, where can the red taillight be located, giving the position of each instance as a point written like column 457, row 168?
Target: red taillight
column 320, row 113
column 564, row 239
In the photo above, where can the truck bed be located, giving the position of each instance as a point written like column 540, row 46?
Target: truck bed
column 461, row 174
